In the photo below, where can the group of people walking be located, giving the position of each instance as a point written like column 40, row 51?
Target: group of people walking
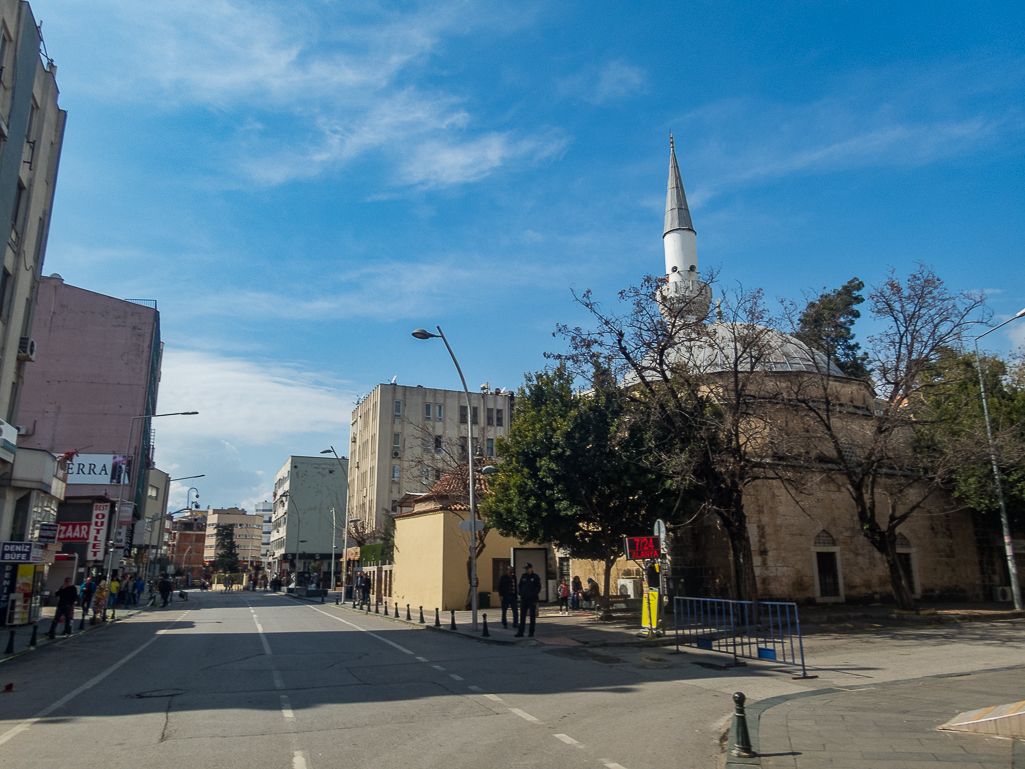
column 96, row 595
column 522, row 597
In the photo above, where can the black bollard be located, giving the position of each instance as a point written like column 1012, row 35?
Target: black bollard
column 81, row 622
column 397, row 610
column 10, row 644
column 485, row 633
column 385, row 608
column 453, row 625
column 437, row 618
column 368, row 607
column 337, row 599
column 35, row 635
column 421, row 613
column 741, row 737
column 377, row 607
column 322, row 599
column 113, row 612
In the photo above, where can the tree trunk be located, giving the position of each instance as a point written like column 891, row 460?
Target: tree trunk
column 898, row 579
column 744, row 580
column 606, row 594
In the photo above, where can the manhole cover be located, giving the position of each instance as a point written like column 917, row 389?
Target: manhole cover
column 653, row 658
column 158, row 693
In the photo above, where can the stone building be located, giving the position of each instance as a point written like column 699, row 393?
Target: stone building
column 805, row 536
column 405, row 438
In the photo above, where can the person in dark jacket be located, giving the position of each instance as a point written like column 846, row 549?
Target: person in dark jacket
column 165, row 588
column 86, row 596
column 530, row 590
column 507, row 593
column 67, row 597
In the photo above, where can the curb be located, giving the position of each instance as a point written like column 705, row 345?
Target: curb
column 44, row 641
column 756, row 709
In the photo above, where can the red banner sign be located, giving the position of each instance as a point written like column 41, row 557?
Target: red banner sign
column 98, row 531
column 641, row 548
column 73, row 532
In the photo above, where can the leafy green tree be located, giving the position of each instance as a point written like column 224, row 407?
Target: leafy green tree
column 388, row 536
column 572, row 472
column 827, row 325
column 225, row 550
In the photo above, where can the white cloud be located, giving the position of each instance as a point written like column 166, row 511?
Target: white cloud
column 613, row 82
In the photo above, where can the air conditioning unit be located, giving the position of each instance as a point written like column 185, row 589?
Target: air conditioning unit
column 630, row 588
column 396, row 454
column 1001, row 593
column 26, row 348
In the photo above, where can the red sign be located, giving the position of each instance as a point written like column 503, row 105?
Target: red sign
column 98, row 530
column 640, row 548
column 73, row 532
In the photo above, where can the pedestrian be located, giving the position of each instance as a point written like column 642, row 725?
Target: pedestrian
column 122, row 591
column 365, row 589
column 114, row 587
column 507, row 594
column 140, row 586
column 99, row 600
column 165, row 589
column 530, row 590
column 86, row 595
column 67, row 596
column 563, row 598
column 576, row 593
column 593, row 592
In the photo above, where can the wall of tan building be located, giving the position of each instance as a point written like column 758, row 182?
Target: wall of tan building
column 248, row 531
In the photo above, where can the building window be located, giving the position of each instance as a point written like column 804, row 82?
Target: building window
column 427, row 412
column 153, row 492
column 462, row 415
column 439, row 412
column 394, row 473
column 396, row 442
column 491, row 417
column 476, row 447
column 395, row 506
column 428, row 443
column 427, row 476
column 462, row 448
column 438, row 444
column 500, row 417
column 398, row 409
column 476, row 415
column 827, row 569
column 491, row 447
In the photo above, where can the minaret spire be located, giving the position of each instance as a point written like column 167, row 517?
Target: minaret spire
column 684, row 295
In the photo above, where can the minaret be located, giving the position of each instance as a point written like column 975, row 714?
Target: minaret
column 684, row 292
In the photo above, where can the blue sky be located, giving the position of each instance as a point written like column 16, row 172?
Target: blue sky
column 300, row 184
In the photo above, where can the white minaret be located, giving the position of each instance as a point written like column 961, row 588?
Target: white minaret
column 684, row 295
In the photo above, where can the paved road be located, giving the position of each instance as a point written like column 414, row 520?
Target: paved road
column 259, row 680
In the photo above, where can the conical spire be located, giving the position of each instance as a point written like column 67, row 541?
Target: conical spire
column 677, row 213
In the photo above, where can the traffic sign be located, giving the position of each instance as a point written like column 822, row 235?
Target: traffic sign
column 465, row 525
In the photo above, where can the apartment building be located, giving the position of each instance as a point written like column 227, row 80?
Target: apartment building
column 248, row 534
column 186, row 546
column 309, row 514
column 404, row 438
column 31, row 137
column 266, row 510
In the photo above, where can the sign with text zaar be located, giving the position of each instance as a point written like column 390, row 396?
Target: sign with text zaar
column 74, row 531
column 641, row 548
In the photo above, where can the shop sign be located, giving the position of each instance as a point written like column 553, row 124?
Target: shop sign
column 21, row 552
column 98, row 531
column 100, row 469
column 47, row 534
column 75, row 531
column 8, row 441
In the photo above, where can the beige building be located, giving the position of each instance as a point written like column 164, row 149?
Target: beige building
column 248, row 531
column 308, row 518
column 405, row 438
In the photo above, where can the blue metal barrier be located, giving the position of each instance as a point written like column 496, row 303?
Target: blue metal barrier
column 731, row 627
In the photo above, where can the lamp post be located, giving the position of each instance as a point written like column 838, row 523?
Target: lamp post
column 345, row 534
column 298, row 534
column 421, row 333
column 116, row 518
column 1005, row 524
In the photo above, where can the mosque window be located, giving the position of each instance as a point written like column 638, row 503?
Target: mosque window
column 824, row 539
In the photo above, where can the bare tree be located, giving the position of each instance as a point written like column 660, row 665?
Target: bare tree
column 870, row 441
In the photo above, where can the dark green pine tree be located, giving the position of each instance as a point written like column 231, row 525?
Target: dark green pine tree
column 225, row 550
column 827, row 323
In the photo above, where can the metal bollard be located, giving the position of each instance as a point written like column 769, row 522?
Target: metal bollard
column 10, row 644
column 485, row 634
column 377, row 607
column 337, row 598
column 35, row 635
column 437, row 619
column 385, row 608
column 421, row 613
column 453, row 625
column 368, row 607
column 742, row 739
column 397, row 610
column 81, row 622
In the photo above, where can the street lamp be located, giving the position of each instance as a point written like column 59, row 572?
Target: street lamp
column 345, row 535
column 116, row 518
column 1012, row 567
column 422, row 333
column 298, row 533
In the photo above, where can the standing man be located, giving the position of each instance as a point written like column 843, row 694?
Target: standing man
column 165, row 590
column 139, row 587
column 67, row 596
column 530, row 589
column 507, row 592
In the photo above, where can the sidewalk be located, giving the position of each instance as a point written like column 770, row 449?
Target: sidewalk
column 885, row 726
column 580, row 628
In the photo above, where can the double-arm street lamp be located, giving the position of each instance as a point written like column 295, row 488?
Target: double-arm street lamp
column 334, row 525
column 421, row 333
column 1004, row 522
column 298, row 532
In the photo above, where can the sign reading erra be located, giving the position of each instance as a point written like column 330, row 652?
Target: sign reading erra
column 100, row 470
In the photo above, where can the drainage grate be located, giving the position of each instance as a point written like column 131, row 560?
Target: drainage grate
column 158, row 693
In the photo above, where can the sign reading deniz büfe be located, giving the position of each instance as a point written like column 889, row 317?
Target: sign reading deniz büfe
column 100, row 469
column 20, row 552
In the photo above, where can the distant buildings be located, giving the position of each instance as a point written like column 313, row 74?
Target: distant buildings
column 247, row 532
column 303, row 527
column 266, row 510
column 186, row 545
column 405, row 438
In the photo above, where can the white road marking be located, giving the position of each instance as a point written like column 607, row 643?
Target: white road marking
column 279, row 682
column 286, row 707
column 24, row 725
column 614, row 765
column 524, row 716
column 422, row 659
column 567, row 739
column 493, row 697
column 402, row 649
column 476, row 688
column 263, row 637
column 298, row 760
column 454, row 677
column 437, row 667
